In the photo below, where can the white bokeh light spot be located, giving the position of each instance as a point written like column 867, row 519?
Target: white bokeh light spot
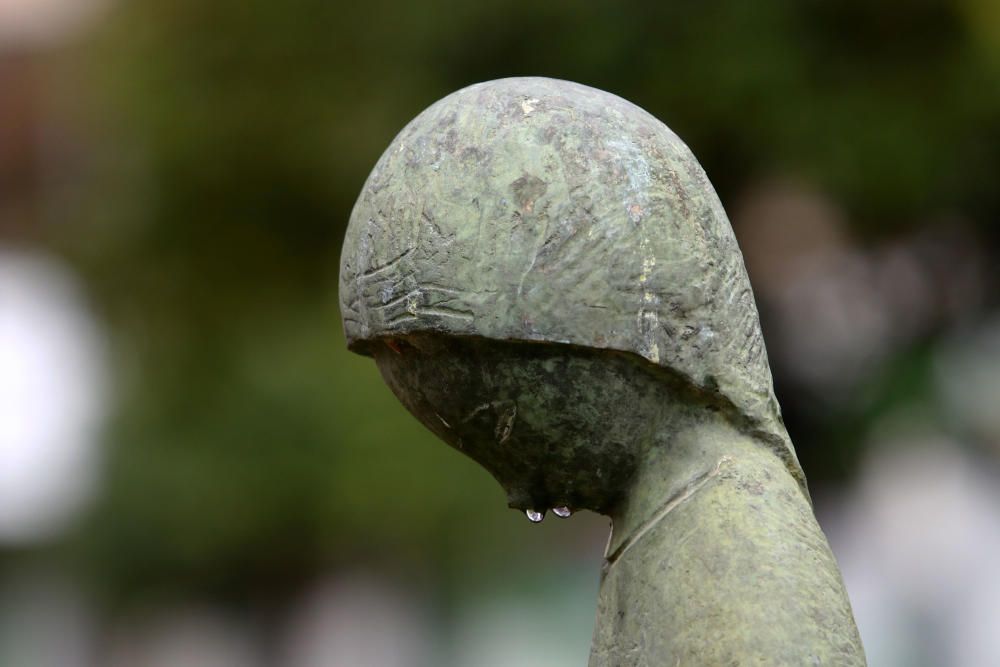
column 53, row 395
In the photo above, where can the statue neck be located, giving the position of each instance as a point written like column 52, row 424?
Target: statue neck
column 715, row 557
column 684, row 455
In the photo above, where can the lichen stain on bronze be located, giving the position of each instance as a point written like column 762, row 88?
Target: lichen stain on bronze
column 527, row 190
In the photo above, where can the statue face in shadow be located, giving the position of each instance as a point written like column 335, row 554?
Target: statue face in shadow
column 558, row 426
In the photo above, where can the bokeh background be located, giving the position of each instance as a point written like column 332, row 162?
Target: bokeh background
column 193, row 470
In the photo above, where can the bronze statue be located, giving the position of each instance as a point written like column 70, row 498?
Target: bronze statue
column 548, row 281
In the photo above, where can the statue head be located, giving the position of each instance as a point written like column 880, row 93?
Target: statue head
column 538, row 267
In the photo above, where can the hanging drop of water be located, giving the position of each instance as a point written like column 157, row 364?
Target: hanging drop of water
column 534, row 516
column 562, row 511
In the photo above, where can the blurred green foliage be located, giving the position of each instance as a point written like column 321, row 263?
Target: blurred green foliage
column 231, row 141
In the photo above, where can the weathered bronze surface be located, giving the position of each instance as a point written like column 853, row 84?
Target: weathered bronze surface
column 548, row 281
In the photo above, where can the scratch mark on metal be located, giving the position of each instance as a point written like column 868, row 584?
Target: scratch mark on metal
column 374, row 271
column 677, row 499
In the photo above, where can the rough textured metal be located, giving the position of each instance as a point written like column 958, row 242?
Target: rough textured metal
column 547, row 280
column 535, row 209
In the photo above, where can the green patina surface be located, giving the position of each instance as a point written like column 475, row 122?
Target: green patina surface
column 548, row 281
column 728, row 567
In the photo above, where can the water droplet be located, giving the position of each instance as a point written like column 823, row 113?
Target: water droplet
column 562, row 511
column 534, row 516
